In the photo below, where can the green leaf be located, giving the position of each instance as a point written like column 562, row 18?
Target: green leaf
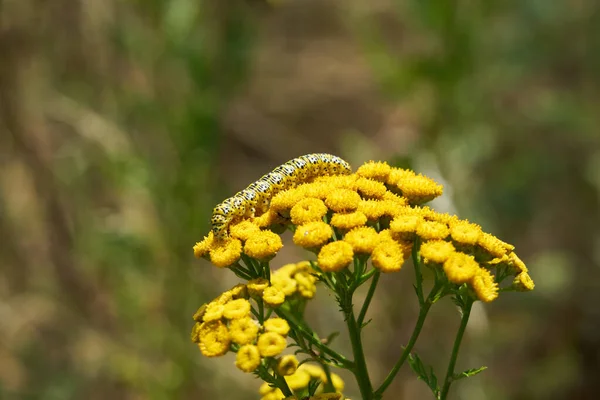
column 425, row 373
column 468, row 373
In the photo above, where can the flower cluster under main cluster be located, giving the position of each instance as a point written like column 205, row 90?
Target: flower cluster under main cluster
column 300, row 380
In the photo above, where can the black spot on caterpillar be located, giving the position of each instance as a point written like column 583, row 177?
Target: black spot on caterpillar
column 256, row 197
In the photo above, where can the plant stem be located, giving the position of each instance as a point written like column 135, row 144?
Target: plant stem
column 416, row 256
column 466, row 312
column 367, row 302
column 360, row 365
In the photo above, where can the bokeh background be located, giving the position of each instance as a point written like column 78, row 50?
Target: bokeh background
column 122, row 123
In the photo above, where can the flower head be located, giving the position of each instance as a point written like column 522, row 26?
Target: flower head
column 370, row 188
column 214, row 339
column 273, row 296
column 340, row 200
column 308, row 210
column 363, row 239
column 203, row 247
column 460, row 268
column 417, row 189
column 436, row 251
column 243, row 330
column 405, row 226
column 484, row 285
column 464, row 232
column 287, row 365
column 523, row 282
column 243, row 230
column 432, row 230
column 263, row 245
column 225, row 252
column 257, row 286
column 277, row 325
column 248, row 358
column 347, row 221
column 388, row 257
column 374, row 170
column 312, row 234
column 236, row 309
column 335, row 256
column 271, row 344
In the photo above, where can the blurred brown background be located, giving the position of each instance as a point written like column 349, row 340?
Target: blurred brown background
column 122, row 123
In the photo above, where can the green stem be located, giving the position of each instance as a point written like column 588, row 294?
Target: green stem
column 416, row 256
column 367, row 302
column 466, row 312
column 360, row 365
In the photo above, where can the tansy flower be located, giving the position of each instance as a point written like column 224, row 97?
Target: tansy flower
column 276, row 394
column 306, row 284
column 373, row 209
column 348, row 221
column 492, row 245
column 265, row 388
column 388, row 257
column 284, row 283
column 284, row 201
column 465, row 232
column 257, row 286
column 340, row 200
column 335, row 256
column 271, row 344
column 277, row 325
column 248, row 358
column 237, row 309
column 393, row 208
column 243, row 230
column 363, row 239
column 318, row 190
column 202, row 248
column 405, row 226
column 312, row 234
column 226, row 252
column 370, row 188
column 374, row 170
column 516, row 263
column 298, row 380
column 214, row 342
column 273, row 296
column 436, row 251
column 385, row 236
column 523, row 282
column 484, row 285
column 287, row 365
column 269, row 218
column 213, row 312
column 460, row 268
column 243, row 330
column 417, row 189
column 239, row 291
column 431, row 230
column 308, row 210
column 337, row 382
column 263, row 245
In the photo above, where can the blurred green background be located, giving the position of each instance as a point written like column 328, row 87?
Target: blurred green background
column 122, row 123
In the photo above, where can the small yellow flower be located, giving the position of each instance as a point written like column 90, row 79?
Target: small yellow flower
column 465, row 232
column 202, row 248
column 243, row 330
column 327, row 396
column 335, row 256
column 340, row 200
column 484, row 285
column 492, row 245
column 516, row 263
column 374, row 170
column 276, row 394
column 243, row 230
column 237, row 309
column 312, row 234
column 308, row 210
column 214, row 342
column 460, row 268
column 267, row 219
column 373, row 209
column 337, row 382
column 405, row 226
column 363, row 239
column 277, row 325
column 265, row 389
column 314, row 371
column 306, row 284
column 213, row 312
column 318, row 190
column 273, row 296
column 263, row 245
column 225, row 252
column 349, row 220
column 248, row 358
column 287, row 365
column 298, row 380
column 416, row 188
column 436, row 251
column 432, row 230
column 257, row 286
column 370, row 188
column 523, row 282
column 388, row 257
column 239, row 291
column 284, row 283
column 284, row 201
column 338, row 181
column 271, row 344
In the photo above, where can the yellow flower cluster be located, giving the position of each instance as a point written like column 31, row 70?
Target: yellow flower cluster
column 300, row 379
column 295, row 279
column 226, row 324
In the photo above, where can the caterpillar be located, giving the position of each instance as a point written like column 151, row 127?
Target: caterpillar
column 256, row 197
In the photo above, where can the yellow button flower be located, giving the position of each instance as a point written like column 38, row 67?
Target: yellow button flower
column 312, row 234
column 214, row 342
column 248, row 358
column 263, row 245
column 337, row 382
column 436, row 251
column 335, row 256
column 298, row 380
column 271, row 344
column 379, row 171
column 388, row 257
column 432, row 230
column 306, row 284
column 314, row 371
column 267, row 219
column 225, row 253
column 243, row 230
column 243, row 330
column 308, row 210
column 405, row 226
column 485, row 286
column 213, row 312
column 465, row 232
column 416, row 188
column 239, row 291
column 237, row 309
column 284, row 283
column 348, row 221
column 257, row 286
column 492, row 245
column 273, row 296
column 373, row 209
column 370, row 188
column 287, row 365
column 516, row 263
column 277, row 325
column 363, row 239
column 523, row 282
column 202, row 248
column 460, row 268
column 340, row 200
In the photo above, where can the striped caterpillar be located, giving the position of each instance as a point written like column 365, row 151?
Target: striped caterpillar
column 256, row 196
